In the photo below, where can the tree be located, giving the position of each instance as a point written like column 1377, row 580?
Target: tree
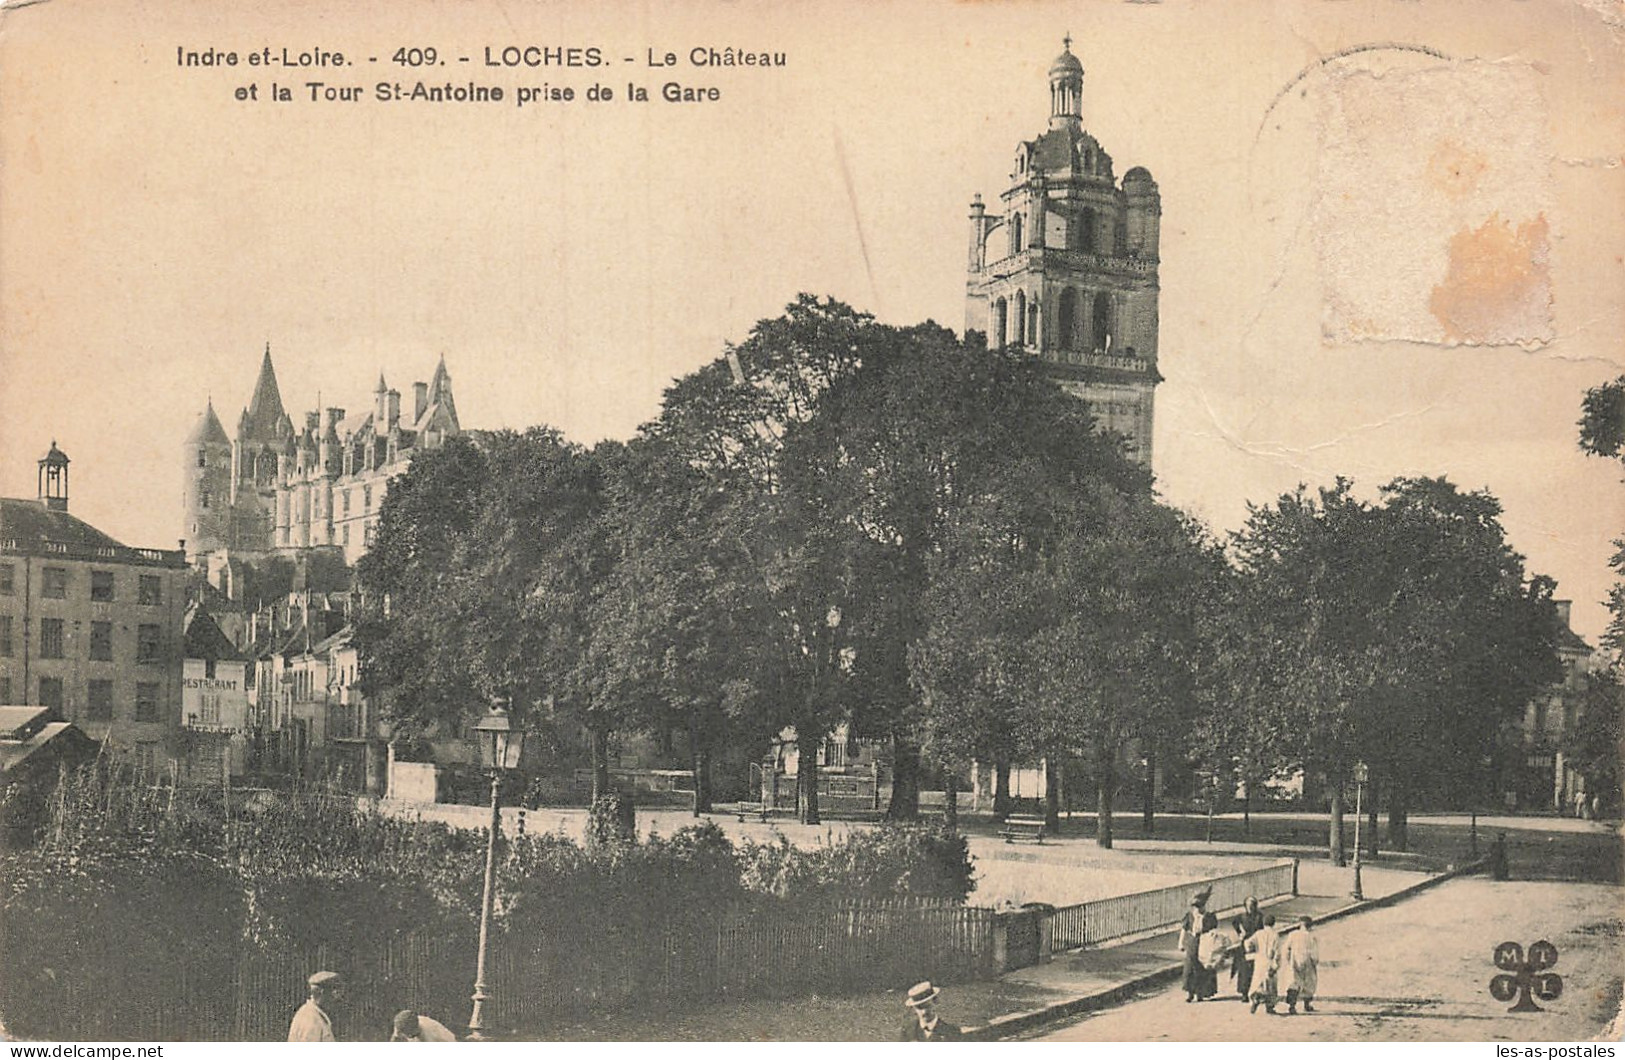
column 1602, row 433
column 1596, row 747
column 1402, row 631
column 478, row 587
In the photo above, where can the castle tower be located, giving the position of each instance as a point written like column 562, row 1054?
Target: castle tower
column 1066, row 267
column 206, row 468
column 263, row 431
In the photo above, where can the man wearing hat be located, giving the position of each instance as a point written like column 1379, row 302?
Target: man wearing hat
column 314, row 1021
column 411, row 1027
column 923, row 1024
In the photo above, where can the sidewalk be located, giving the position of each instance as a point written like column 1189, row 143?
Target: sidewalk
column 1069, row 984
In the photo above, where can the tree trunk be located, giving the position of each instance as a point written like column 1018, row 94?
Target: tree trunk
column 1001, row 789
column 950, row 800
column 1335, row 835
column 1148, row 794
column 1398, row 817
column 905, row 780
column 599, row 749
column 807, row 778
column 1107, row 772
column 702, row 779
column 1371, row 822
column 1052, row 796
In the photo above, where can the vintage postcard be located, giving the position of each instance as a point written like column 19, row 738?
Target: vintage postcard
column 1080, row 520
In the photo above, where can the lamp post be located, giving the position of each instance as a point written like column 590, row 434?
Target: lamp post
column 1361, row 775
column 500, row 745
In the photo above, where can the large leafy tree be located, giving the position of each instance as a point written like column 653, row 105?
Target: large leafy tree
column 1602, row 433
column 479, row 585
column 1400, row 633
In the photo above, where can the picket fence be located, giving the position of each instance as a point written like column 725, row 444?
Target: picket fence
column 1104, row 919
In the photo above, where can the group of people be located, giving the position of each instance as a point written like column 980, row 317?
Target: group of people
column 1267, row 964
column 313, row 1022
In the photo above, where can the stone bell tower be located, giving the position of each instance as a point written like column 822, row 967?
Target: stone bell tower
column 1065, row 266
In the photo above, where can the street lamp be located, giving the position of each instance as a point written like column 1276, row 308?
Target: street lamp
column 1361, row 775
column 500, row 746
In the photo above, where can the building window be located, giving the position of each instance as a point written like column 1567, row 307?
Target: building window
column 366, row 498
column 101, row 585
column 203, row 498
column 346, row 502
column 5, row 636
column 146, row 701
column 50, row 693
column 50, row 638
column 211, row 709
column 151, row 590
column 5, row 690
column 101, row 641
column 100, row 706
column 54, row 583
column 202, row 458
column 208, row 668
column 149, row 643
column 345, row 533
column 8, row 579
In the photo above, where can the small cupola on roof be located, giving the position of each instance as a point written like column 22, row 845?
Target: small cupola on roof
column 1065, row 89
column 53, row 479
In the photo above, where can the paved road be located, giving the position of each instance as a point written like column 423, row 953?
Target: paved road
column 1419, row 971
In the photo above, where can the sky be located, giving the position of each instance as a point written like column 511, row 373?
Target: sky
column 1336, row 179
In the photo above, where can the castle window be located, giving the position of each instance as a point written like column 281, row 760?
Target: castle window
column 202, row 458
column 346, row 533
column 50, row 638
column 1015, row 234
column 1083, row 230
column 1032, row 324
column 101, row 585
column 54, row 584
column 366, row 498
column 203, row 498
column 346, row 502
column 101, row 642
column 100, row 703
column 1000, row 311
column 1021, row 316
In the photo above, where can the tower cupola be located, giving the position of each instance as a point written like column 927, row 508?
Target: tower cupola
column 53, row 479
column 1065, row 89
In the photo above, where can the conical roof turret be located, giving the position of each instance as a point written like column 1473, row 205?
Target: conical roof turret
column 266, row 415
column 207, row 430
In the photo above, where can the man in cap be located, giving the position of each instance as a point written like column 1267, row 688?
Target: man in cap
column 923, row 1024
column 411, row 1027
column 314, row 1020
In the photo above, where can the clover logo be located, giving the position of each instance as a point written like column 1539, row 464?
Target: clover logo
column 1526, row 979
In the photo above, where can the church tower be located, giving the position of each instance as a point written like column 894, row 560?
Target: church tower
column 1065, row 267
column 206, row 460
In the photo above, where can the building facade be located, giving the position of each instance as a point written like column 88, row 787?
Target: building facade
column 90, row 628
column 215, row 726
column 277, row 486
column 1065, row 266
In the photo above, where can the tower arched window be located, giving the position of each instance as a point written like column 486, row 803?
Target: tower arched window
column 1015, row 234
column 1032, row 324
column 1066, row 319
column 1021, row 317
column 202, row 457
column 1000, row 310
column 1102, row 323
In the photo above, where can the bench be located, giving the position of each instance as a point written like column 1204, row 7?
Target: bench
column 757, row 809
column 1017, row 826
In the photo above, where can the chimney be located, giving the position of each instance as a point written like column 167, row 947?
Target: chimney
column 420, row 401
column 394, row 409
column 1563, row 607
